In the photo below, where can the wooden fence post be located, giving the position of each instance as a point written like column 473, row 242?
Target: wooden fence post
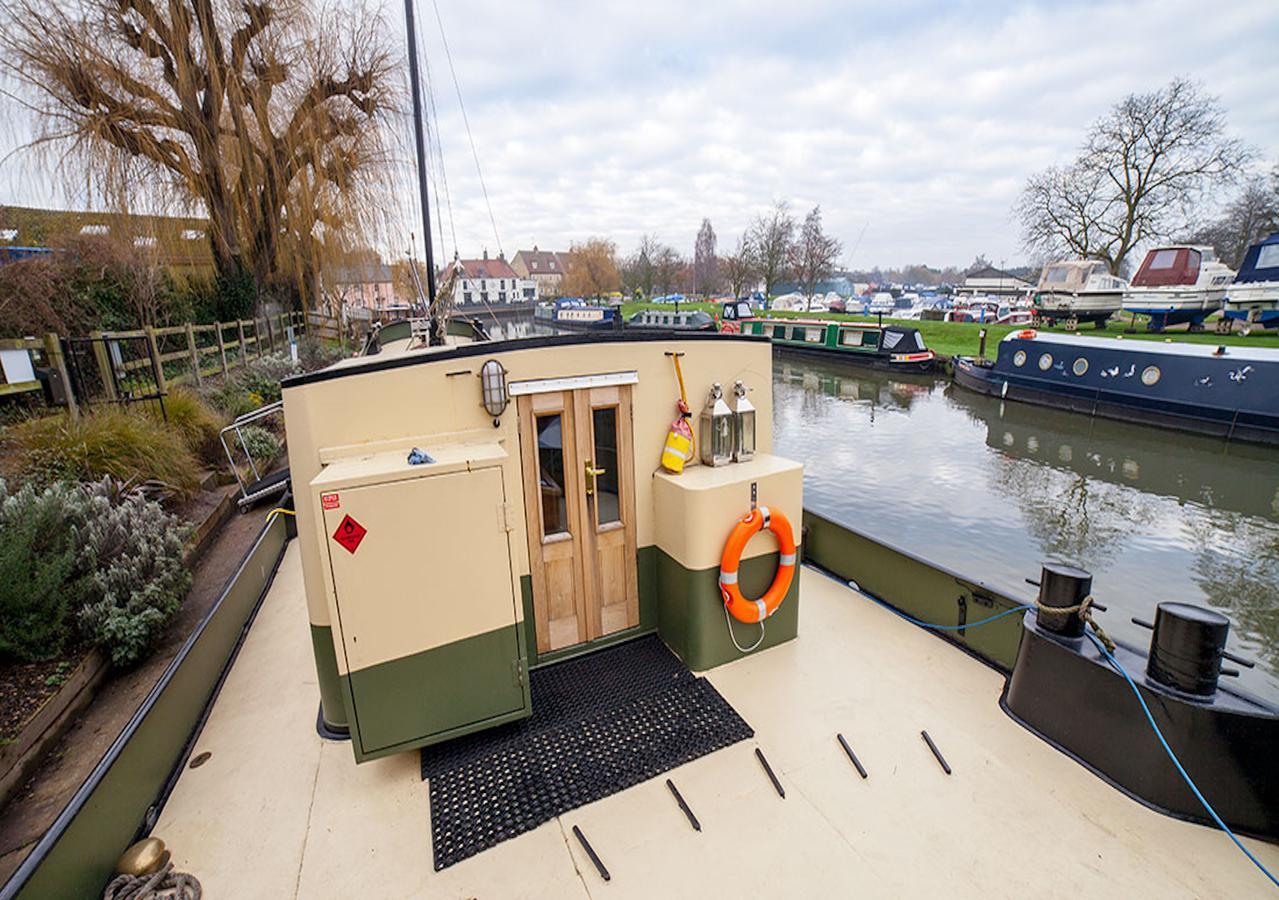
column 257, row 336
column 53, row 351
column 156, row 366
column 195, row 356
column 221, row 346
column 244, row 353
column 105, row 369
column 270, row 332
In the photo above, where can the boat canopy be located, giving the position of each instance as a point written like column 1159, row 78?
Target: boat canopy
column 1261, row 263
column 1068, row 275
column 1166, row 266
column 901, row 339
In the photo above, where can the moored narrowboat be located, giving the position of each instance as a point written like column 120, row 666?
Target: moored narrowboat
column 672, row 320
column 898, row 348
column 571, row 312
column 1253, row 298
column 1221, row 391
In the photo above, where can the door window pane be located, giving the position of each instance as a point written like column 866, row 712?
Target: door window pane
column 607, row 492
column 550, row 478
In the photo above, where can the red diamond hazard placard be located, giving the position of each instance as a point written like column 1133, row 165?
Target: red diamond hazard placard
column 350, row 533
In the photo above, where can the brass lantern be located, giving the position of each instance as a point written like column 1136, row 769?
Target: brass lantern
column 715, row 434
column 743, row 425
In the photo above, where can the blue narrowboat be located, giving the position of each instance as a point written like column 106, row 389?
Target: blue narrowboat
column 1223, row 391
column 1253, row 297
column 572, row 312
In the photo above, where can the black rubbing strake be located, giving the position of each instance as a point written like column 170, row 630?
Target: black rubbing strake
column 600, row 723
column 945, row 766
column 781, row 791
column 851, row 755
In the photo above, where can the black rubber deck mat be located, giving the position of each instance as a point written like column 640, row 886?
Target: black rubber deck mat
column 601, row 723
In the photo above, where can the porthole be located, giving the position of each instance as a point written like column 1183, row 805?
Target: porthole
column 1150, row 375
column 1019, row 358
column 1046, row 362
column 1080, row 366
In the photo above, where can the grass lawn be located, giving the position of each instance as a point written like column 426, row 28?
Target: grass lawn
column 961, row 338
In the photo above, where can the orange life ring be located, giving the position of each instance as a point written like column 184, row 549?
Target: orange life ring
column 742, row 608
column 1027, row 334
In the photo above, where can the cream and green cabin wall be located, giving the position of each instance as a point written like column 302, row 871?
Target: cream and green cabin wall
column 385, row 405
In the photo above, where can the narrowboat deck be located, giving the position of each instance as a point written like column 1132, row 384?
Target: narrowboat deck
column 278, row 811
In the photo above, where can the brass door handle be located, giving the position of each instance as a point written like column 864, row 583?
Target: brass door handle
column 591, row 472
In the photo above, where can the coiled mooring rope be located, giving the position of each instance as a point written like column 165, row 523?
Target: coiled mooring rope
column 163, row 883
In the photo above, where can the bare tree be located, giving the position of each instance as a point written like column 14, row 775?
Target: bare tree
column 668, row 265
column 814, row 253
column 705, row 263
column 1142, row 168
column 638, row 269
column 771, row 236
column 740, row 268
column 266, row 115
column 1249, row 218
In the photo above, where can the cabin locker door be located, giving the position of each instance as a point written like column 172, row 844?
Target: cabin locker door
column 579, row 494
column 426, row 605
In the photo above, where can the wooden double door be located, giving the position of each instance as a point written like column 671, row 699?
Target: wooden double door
column 579, row 494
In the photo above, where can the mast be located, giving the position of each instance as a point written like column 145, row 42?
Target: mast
column 415, row 84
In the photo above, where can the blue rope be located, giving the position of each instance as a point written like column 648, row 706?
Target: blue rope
column 912, row 620
column 1176, row 762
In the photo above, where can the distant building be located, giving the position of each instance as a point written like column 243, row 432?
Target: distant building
column 492, row 282
column 546, row 267
column 181, row 243
column 366, row 285
column 994, row 282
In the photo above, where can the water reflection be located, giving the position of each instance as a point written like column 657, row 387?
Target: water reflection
column 994, row 488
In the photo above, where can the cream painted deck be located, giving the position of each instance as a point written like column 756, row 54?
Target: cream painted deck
column 277, row 812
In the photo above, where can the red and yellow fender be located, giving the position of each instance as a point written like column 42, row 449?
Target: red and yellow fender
column 743, row 609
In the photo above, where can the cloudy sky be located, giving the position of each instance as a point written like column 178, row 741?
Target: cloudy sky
column 913, row 123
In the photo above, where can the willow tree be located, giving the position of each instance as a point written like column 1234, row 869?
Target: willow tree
column 269, row 117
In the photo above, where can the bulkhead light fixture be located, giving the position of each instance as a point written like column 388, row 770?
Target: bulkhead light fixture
column 493, row 386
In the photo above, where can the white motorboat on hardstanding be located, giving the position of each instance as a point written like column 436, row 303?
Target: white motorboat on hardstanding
column 1253, row 298
column 1078, row 290
column 1178, row 284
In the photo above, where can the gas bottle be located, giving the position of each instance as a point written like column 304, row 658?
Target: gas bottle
column 679, row 441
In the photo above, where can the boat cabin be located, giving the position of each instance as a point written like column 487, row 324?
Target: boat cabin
column 682, row 320
column 1073, row 275
column 898, row 347
column 467, row 513
column 1172, row 266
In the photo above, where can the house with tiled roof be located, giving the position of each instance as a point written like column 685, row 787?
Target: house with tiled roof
column 492, row 281
column 546, row 267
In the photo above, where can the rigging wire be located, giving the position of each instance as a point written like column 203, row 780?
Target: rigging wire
column 434, row 144
column 466, row 121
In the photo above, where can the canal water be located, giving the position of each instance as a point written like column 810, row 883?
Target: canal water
column 992, row 489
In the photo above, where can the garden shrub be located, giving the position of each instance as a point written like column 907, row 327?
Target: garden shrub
column 134, row 553
column 197, row 422
column 261, row 444
column 39, row 581
column 96, row 563
column 252, row 387
column 110, row 441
